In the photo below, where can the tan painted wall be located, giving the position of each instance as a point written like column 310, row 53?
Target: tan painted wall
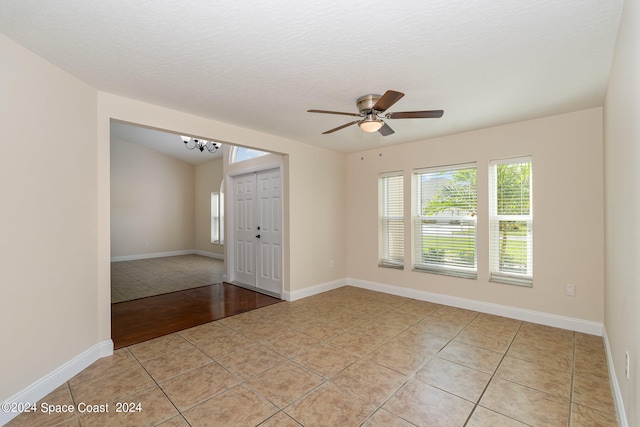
column 622, row 210
column 208, row 177
column 567, row 204
column 153, row 204
column 48, row 218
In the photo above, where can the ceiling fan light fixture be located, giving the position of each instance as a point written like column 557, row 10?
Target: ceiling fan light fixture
column 370, row 125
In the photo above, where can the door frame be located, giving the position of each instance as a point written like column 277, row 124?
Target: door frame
column 229, row 206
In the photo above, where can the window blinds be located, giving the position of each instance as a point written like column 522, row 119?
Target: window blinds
column 444, row 220
column 511, row 221
column 391, row 220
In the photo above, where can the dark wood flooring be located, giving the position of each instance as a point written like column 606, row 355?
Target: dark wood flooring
column 146, row 318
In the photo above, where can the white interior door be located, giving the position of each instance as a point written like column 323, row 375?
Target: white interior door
column 258, row 230
column 269, row 227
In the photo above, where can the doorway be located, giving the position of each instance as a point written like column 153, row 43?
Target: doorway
column 256, row 228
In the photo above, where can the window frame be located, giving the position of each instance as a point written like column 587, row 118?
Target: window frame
column 385, row 231
column 420, row 220
column 495, row 235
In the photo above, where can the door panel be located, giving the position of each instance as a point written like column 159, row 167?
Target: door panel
column 244, row 188
column 258, row 230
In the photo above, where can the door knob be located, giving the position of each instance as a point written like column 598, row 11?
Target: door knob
column 258, row 236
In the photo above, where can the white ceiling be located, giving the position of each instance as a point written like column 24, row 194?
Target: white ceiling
column 261, row 64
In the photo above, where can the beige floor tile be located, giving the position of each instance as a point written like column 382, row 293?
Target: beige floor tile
column 485, row 337
column 593, row 393
column 291, row 343
column 483, row 417
column 251, row 361
column 262, row 331
column 581, row 416
column 325, row 359
column 154, row 409
column 382, row 418
column 546, row 352
column 195, row 386
column 285, row 383
column 178, row 421
column 370, row 381
column 36, row 417
column 472, row 357
column 380, row 328
column 169, row 365
column 441, row 327
column 403, row 359
column 418, row 338
column 121, row 360
column 542, row 378
column 112, row 387
column 421, row 308
column 319, row 329
column 237, row 406
column 358, row 343
column 400, row 318
column 202, row 334
column 159, row 346
column 456, row 379
column 525, row 404
column 454, row 315
column 330, row 406
column 223, row 345
column 280, row 420
column 591, row 362
column 424, row 405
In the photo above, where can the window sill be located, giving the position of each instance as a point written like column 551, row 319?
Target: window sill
column 445, row 272
column 391, row 266
column 526, row 282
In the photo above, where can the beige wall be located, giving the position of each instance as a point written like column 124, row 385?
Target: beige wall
column 622, row 209
column 48, row 218
column 208, row 177
column 152, row 201
column 567, row 208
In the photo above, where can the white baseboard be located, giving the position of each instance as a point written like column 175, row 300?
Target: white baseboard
column 570, row 323
column 56, row 378
column 314, row 290
column 166, row 254
column 209, row 254
column 621, row 415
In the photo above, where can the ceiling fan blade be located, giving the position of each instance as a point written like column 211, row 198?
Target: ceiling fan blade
column 386, row 130
column 432, row 114
column 334, row 112
column 340, row 127
column 389, row 98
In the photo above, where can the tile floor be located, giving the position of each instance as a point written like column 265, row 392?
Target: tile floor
column 155, row 276
column 349, row 357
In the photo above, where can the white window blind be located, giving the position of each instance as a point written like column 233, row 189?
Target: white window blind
column 391, row 220
column 444, row 220
column 511, row 221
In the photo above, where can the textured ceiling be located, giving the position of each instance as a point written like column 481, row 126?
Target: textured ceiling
column 261, row 64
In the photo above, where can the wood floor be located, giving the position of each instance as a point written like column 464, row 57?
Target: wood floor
column 147, row 318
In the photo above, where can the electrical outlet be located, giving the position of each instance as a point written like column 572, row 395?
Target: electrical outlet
column 626, row 364
column 570, row 290
column 331, row 263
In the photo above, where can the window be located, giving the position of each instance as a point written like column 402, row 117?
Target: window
column 217, row 216
column 444, row 220
column 391, row 220
column 240, row 154
column 511, row 221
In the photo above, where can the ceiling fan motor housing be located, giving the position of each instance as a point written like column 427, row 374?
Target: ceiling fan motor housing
column 365, row 103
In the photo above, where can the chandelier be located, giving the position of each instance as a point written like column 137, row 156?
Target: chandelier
column 200, row 144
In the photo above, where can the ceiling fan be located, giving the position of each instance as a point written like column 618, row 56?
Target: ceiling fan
column 372, row 107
